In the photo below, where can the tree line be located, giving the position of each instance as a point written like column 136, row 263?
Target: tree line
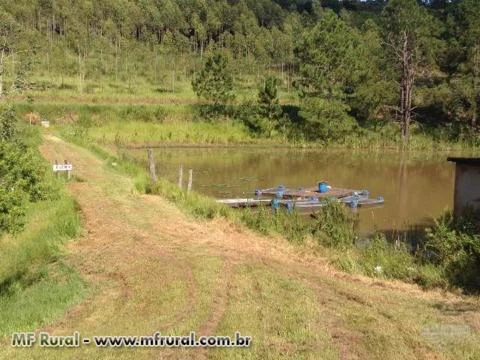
column 352, row 62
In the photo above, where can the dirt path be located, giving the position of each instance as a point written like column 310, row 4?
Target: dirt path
column 152, row 268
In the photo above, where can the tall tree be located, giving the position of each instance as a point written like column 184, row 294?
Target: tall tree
column 408, row 32
column 330, row 65
column 268, row 98
column 8, row 36
column 470, row 39
column 214, row 82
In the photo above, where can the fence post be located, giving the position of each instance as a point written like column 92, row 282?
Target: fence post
column 190, row 179
column 180, row 176
column 151, row 165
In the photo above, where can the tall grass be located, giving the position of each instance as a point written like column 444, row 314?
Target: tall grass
column 193, row 203
column 266, row 221
column 35, row 285
column 128, row 133
column 49, row 224
column 142, row 124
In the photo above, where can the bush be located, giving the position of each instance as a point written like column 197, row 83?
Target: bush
column 143, row 113
column 327, row 119
column 454, row 245
column 430, row 276
column 381, row 258
column 335, row 226
column 23, row 175
column 12, row 210
column 8, row 124
column 266, row 221
column 254, row 118
column 22, row 169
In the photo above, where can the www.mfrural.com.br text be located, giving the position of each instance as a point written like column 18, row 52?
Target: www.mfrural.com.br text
column 44, row 339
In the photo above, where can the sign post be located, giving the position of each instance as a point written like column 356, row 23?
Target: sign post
column 66, row 167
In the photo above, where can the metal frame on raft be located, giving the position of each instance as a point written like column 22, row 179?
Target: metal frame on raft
column 305, row 199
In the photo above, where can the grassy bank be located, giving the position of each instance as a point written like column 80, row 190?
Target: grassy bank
column 197, row 124
column 36, row 286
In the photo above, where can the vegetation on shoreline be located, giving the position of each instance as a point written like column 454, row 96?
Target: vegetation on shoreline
column 157, row 125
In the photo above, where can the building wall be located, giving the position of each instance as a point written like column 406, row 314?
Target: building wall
column 467, row 188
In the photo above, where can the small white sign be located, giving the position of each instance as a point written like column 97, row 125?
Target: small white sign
column 45, row 123
column 63, row 167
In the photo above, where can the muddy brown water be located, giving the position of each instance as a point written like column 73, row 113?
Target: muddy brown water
column 416, row 186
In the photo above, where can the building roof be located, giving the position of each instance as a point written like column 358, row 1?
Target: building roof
column 465, row 161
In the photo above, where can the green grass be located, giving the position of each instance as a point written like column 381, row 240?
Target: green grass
column 137, row 123
column 35, row 285
column 40, row 298
column 49, row 225
column 136, row 133
column 193, row 203
column 281, row 326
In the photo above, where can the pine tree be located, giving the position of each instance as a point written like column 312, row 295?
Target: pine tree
column 214, row 82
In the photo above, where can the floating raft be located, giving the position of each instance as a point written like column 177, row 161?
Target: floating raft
column 302, row 204
column 304, row 199
column 306, row 193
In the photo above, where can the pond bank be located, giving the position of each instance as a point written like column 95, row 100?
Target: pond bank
column 214, row 274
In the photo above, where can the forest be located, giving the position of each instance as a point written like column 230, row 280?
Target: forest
column 320, row 70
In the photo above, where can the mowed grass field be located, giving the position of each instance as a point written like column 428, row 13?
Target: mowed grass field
column 151, row 267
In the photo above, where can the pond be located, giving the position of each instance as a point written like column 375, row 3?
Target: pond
column 416, row 186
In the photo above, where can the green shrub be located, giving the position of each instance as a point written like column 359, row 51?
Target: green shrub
column 143, row 113
column 8, row 124
column 291, row 225
column 335, row 226
column 453, row 244
column 327, row 119
column 12, row 210
column 431, row 276
column 23, row 174
column 259, row 220
column 381, row 258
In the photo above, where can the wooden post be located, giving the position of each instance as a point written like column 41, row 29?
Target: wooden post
column 190, row 179
column 151, row 165
column 180, row 176
column 56, row 172
column 68, row 171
